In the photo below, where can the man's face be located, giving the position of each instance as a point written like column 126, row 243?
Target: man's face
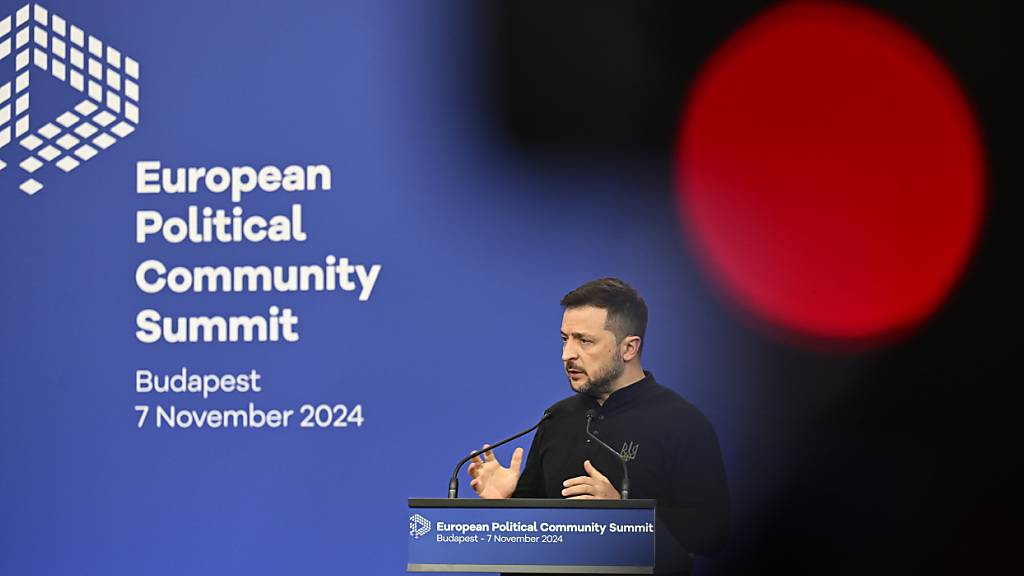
column 590, row 353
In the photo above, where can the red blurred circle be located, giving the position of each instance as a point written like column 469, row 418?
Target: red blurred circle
column 831, row 172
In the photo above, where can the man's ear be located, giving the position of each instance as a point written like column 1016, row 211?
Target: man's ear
column 630, row 347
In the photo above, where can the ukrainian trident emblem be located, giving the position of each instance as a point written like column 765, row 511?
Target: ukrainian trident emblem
column 629, row 451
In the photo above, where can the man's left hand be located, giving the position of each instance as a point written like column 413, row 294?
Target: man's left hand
column 593, row 486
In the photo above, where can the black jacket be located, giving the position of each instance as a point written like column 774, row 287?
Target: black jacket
column 673, row 452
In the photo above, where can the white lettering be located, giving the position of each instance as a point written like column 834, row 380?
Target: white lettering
column 147, row 177
column 152, row 178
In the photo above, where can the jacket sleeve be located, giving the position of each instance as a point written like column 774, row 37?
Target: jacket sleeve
column 697, row 514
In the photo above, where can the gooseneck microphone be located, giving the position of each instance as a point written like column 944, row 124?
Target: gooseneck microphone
column 625, row 470
column 453, row 484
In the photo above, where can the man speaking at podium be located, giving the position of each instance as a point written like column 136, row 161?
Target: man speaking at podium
column 670, row 448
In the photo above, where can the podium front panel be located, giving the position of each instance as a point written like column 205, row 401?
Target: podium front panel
column 531, row 536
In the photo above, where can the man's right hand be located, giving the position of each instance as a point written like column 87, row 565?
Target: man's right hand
column 491, row 479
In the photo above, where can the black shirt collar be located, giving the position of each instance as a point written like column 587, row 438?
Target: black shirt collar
column 626, row 395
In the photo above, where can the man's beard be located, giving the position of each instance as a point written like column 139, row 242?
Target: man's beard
column 602, row 384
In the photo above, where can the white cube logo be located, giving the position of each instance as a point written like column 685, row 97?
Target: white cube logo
column 39, row 41
column 418, row 526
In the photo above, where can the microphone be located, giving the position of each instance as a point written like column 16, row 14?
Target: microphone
column 453, row 484
column 625, row 471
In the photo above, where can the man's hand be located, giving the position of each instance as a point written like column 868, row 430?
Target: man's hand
column 491, row 479
column 593, row 486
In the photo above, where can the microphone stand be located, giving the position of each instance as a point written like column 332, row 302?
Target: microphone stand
column 625, row 471
column 453, row 483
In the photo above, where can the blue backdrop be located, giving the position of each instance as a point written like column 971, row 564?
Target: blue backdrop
column 893, row 449
column 458, row 344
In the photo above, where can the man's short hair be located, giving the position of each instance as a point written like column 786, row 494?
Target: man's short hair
column 627, row 311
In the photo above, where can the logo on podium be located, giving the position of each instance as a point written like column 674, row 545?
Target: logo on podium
column 418, row 526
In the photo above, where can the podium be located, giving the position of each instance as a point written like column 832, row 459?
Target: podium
column 532, row 536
